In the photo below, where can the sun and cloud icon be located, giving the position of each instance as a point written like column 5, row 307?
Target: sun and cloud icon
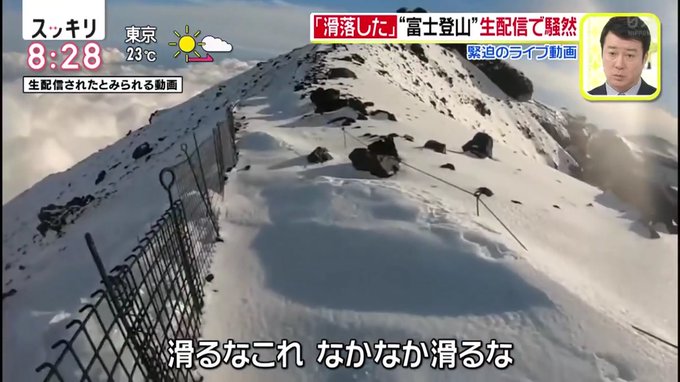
column 187, row 44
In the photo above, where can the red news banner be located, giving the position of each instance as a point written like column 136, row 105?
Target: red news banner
column 442, row 27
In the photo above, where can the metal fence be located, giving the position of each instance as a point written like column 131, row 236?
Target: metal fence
column 156, row 295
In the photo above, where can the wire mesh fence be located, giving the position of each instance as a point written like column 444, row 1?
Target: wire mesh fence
column 156, row 295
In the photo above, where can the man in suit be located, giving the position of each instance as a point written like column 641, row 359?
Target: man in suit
column 625, row 48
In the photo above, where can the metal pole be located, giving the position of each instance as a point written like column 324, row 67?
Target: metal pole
column 200, row 166
column 344, row 137
column 204, row 197
column 150, row 365
column 186, row 264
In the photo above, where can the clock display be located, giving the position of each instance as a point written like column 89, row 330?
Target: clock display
column 67, row 59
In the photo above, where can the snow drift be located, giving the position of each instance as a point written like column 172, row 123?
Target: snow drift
column 316, row 251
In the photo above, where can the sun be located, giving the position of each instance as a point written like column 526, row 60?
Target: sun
column 186, row 44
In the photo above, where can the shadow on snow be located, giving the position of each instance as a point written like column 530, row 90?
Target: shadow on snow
column 375, row 269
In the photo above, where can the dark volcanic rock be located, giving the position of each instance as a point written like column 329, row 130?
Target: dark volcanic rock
column 151, row 117
column 340, row 73
column 418, row 50
column 435, row 146
column 358, row 58
column 141, row 150
column 384, row 146
column 55, row 217
column 613, row 166
column 357, row 105
column 383, row 113
column 9, row 293
column 326, row 100
column 481, row 145
column 480, row 106
column 100, row 177
column 510, row 80
column 346, row 121
column 319, row 155
column 608, row 158
column 382, row 166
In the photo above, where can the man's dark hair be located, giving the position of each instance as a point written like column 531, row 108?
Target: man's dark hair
column 628, row 28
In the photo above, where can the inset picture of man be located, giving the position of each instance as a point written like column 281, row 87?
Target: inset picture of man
column 624, row 44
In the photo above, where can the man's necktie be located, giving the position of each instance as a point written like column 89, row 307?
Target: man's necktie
column 622, row 93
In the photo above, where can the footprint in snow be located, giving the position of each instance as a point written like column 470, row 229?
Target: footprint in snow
column 613, row 369
column 488, row 248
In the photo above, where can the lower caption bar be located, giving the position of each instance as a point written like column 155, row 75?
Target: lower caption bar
column 103, row 84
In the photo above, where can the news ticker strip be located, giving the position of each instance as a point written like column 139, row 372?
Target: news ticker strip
column 435, row 28
column 103, row 84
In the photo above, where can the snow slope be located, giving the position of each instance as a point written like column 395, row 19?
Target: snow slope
column 325, row 251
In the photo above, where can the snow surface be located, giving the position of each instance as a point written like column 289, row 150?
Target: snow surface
column 325, row 251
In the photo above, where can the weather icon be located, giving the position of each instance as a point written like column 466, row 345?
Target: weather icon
column 187, row 44
column 216, row 44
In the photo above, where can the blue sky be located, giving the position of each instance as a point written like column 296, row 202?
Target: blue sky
column 244, row 23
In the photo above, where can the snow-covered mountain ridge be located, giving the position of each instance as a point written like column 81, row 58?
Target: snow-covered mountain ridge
column 589, row 289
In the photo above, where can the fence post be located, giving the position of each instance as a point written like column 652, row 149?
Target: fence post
column 344, row 137
column 220, row 126
column 232, row 135
column 200, row 166
column 151, row 366
column 218, row 155
column 204, row 197
column 232, row 123
column 186, row 264
column 211, row 213
column 214, row 145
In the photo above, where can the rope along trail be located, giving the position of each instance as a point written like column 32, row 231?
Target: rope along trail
column 636, row 328
column 451, row 185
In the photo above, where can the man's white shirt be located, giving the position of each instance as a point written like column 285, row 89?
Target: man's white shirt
column 632, row 91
